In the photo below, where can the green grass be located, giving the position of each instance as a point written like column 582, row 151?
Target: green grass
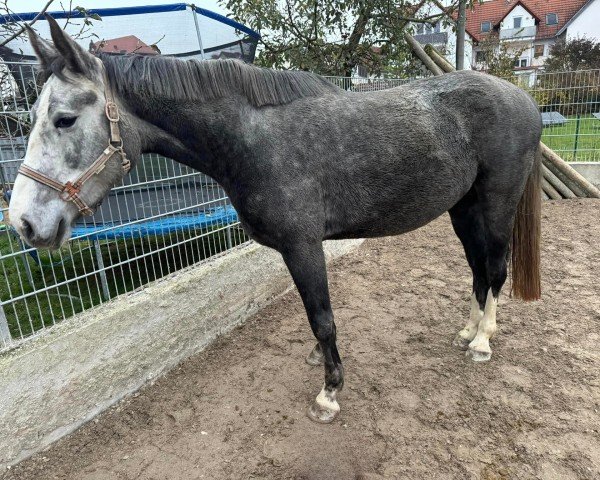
column 33, row 313
column 575, row 143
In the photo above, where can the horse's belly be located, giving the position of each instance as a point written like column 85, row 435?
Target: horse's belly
column 392, row 211
column 381, row 224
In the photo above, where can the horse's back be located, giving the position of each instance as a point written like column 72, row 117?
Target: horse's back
column 383, row 163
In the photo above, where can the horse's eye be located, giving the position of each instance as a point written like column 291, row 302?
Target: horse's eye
column 65, row 122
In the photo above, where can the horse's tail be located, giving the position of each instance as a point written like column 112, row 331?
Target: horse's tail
column 525, row 246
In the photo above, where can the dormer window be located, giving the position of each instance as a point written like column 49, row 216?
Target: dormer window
column 486, row 27
column 551, row 19
column 517, row 22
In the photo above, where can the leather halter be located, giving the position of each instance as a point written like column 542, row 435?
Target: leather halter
column 69, row 191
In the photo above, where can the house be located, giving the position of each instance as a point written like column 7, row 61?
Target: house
column 122, row 46
column 585, row 23
column 442, row 35
column 528, row 27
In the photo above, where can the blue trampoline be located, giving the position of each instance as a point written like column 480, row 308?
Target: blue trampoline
column 164, row 226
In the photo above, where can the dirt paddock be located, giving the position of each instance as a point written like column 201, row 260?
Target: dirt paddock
column 413, row 407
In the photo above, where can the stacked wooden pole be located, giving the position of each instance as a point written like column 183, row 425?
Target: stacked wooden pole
column 559, row 180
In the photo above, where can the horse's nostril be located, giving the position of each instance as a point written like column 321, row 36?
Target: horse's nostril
column 27, row 229
column 40, row 235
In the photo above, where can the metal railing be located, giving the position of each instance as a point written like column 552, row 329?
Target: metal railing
column 435, row 38
column 518, row 33
column 574, row 96
column 165, row 216
column 361, row 84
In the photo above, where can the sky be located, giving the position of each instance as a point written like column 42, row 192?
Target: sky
column 36, row 5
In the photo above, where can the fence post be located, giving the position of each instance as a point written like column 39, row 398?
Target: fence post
column 102, row 270
column 5, row 335
column 576, row 136
column 229, row 240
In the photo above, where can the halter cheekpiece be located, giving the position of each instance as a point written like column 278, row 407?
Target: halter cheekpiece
column 69, row 191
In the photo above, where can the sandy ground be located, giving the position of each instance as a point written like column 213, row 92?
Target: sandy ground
column 413, row 406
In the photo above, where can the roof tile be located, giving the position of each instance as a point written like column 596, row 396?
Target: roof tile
column 127, row 44
column 495, row 10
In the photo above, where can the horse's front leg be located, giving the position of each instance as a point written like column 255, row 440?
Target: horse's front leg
column 306, row 263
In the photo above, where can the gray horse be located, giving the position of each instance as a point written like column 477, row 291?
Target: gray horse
column 302, row 161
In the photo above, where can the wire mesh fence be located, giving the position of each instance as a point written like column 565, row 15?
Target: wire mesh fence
column 570, row 106
column 165, row 216
column 359, row 84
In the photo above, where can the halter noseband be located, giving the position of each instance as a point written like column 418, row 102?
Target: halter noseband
column 69, row 191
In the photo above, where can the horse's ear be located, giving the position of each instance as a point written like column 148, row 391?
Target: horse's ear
column 76, row 58
column 44, row 51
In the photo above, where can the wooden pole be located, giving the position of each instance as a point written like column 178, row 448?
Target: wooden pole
column 573, row 186
column 550, row 190
column 460, row 34
column 420, row 53
column 568, row 181
column 569, row 172
column 557, row 183
column 439, row 59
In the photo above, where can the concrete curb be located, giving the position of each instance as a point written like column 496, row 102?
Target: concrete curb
column 55, row 383
column 590, row 170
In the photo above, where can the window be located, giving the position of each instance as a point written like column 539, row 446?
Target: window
column 521, row 62
column 486, row 26
column 517, row 22
column 551, row 19
column 438, row 27
column 480, row 56
column 420, row 28
column 538, row 51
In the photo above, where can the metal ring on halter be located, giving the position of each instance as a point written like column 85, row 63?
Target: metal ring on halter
column 109, row 108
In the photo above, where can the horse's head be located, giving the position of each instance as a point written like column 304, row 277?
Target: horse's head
column 70, row 131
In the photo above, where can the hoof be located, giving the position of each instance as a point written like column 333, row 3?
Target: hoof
column 461, row 342
column 478, row 356
column 321, row 414
column 325, row 407
column 315, row 357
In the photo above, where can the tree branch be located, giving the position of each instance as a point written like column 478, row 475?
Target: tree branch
column 22, row 29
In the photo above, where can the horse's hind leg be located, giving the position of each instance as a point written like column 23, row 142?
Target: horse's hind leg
column 498, row 209
column 306, row 263
column 467, row 220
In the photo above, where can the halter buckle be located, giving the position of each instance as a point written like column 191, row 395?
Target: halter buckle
column 69, row 191
column 112, row 112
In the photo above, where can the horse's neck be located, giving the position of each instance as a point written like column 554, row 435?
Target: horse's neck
column 199, row 135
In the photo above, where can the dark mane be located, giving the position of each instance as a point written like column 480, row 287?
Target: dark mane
column 205, row 80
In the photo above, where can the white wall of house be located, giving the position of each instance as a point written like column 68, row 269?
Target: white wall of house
column 451, row 48
column 527, row 19
column 518, row 29
column 587, row 23
column 543, row 47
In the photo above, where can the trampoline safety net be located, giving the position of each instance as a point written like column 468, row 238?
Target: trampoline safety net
column 177, row 29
